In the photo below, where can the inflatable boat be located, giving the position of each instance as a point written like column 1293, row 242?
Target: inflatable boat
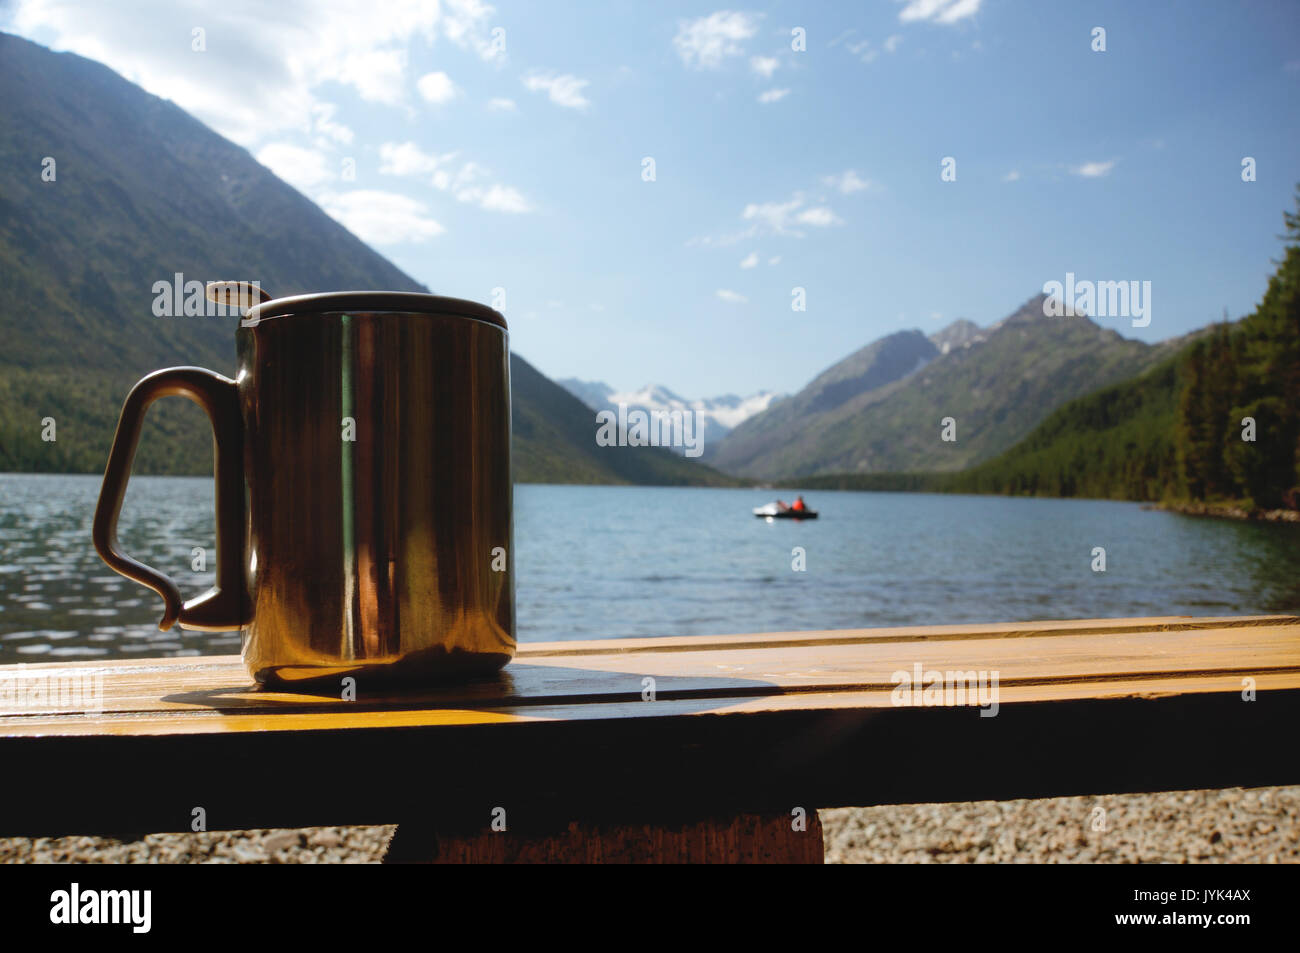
column 774, row 511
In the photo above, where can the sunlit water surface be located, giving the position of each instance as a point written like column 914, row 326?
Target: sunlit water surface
column 606, row 562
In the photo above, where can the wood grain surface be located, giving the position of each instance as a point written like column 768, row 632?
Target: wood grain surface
column 761, row 723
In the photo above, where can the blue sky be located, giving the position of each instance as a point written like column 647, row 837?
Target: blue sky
column 503, row 147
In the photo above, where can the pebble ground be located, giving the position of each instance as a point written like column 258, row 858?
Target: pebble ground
column 1259, row 825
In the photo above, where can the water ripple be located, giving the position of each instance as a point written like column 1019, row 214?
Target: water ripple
column 604, row 562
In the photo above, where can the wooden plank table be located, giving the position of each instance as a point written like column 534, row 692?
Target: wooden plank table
column 672, row 748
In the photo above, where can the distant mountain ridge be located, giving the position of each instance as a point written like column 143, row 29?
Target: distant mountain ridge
column 141, row 191
column 880, row 409
column 961, row 333
column 1178, row 432
column 748, row 449
column 720, row 415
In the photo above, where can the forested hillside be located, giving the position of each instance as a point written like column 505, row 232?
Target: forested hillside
column 1219, row 421
column 138, row 192
column 879, row 410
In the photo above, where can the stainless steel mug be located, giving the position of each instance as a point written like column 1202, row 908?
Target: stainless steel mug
column 364, row 495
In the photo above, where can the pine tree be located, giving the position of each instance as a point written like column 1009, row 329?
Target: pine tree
column 1192, row 438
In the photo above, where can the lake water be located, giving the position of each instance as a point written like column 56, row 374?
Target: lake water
column 606, row 562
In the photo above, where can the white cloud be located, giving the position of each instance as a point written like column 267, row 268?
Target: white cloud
column 324, row 124
column 750, row 260
column 381, row 218
column 466, row 181
column 261, row 74
column 436, row 88
column 465, row 24
column 847, row 182
column 1094, row 170
column 563, row 90
column 1012, row 176
column 705, row 42
column 406, row 158
column 497, row 198
column 764, row 66
column 731, row 297
column 304, row 169
column 779, row 218
column 378, row 76
column 773, row 218
column 938, row 11
column 773, row 95
column 821, row 217
column 500, row 104
column 863, row 50
column 774, row 260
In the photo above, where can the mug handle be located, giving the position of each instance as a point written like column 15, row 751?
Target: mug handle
column 225, row 605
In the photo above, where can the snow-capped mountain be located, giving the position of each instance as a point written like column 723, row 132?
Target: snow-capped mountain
column 720, row 415
column 960, row 334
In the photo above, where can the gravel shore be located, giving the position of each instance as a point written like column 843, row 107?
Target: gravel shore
column 1259, row 825
column 1256, row 825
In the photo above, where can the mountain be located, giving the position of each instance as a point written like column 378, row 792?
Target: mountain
column 719, row 415
column 757, row 447
column 1179, row 432
column 552, row 417
column 1118, row 443
column 880, row 409
column 591, row 393
column 961, row 333
column 105, row 190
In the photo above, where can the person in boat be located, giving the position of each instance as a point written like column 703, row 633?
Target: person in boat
column 798, row 505
column 782, row 506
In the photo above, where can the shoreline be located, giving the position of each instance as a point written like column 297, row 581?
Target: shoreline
column 1230, row 511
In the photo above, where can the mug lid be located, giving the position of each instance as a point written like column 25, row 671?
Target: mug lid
column 401, row 301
